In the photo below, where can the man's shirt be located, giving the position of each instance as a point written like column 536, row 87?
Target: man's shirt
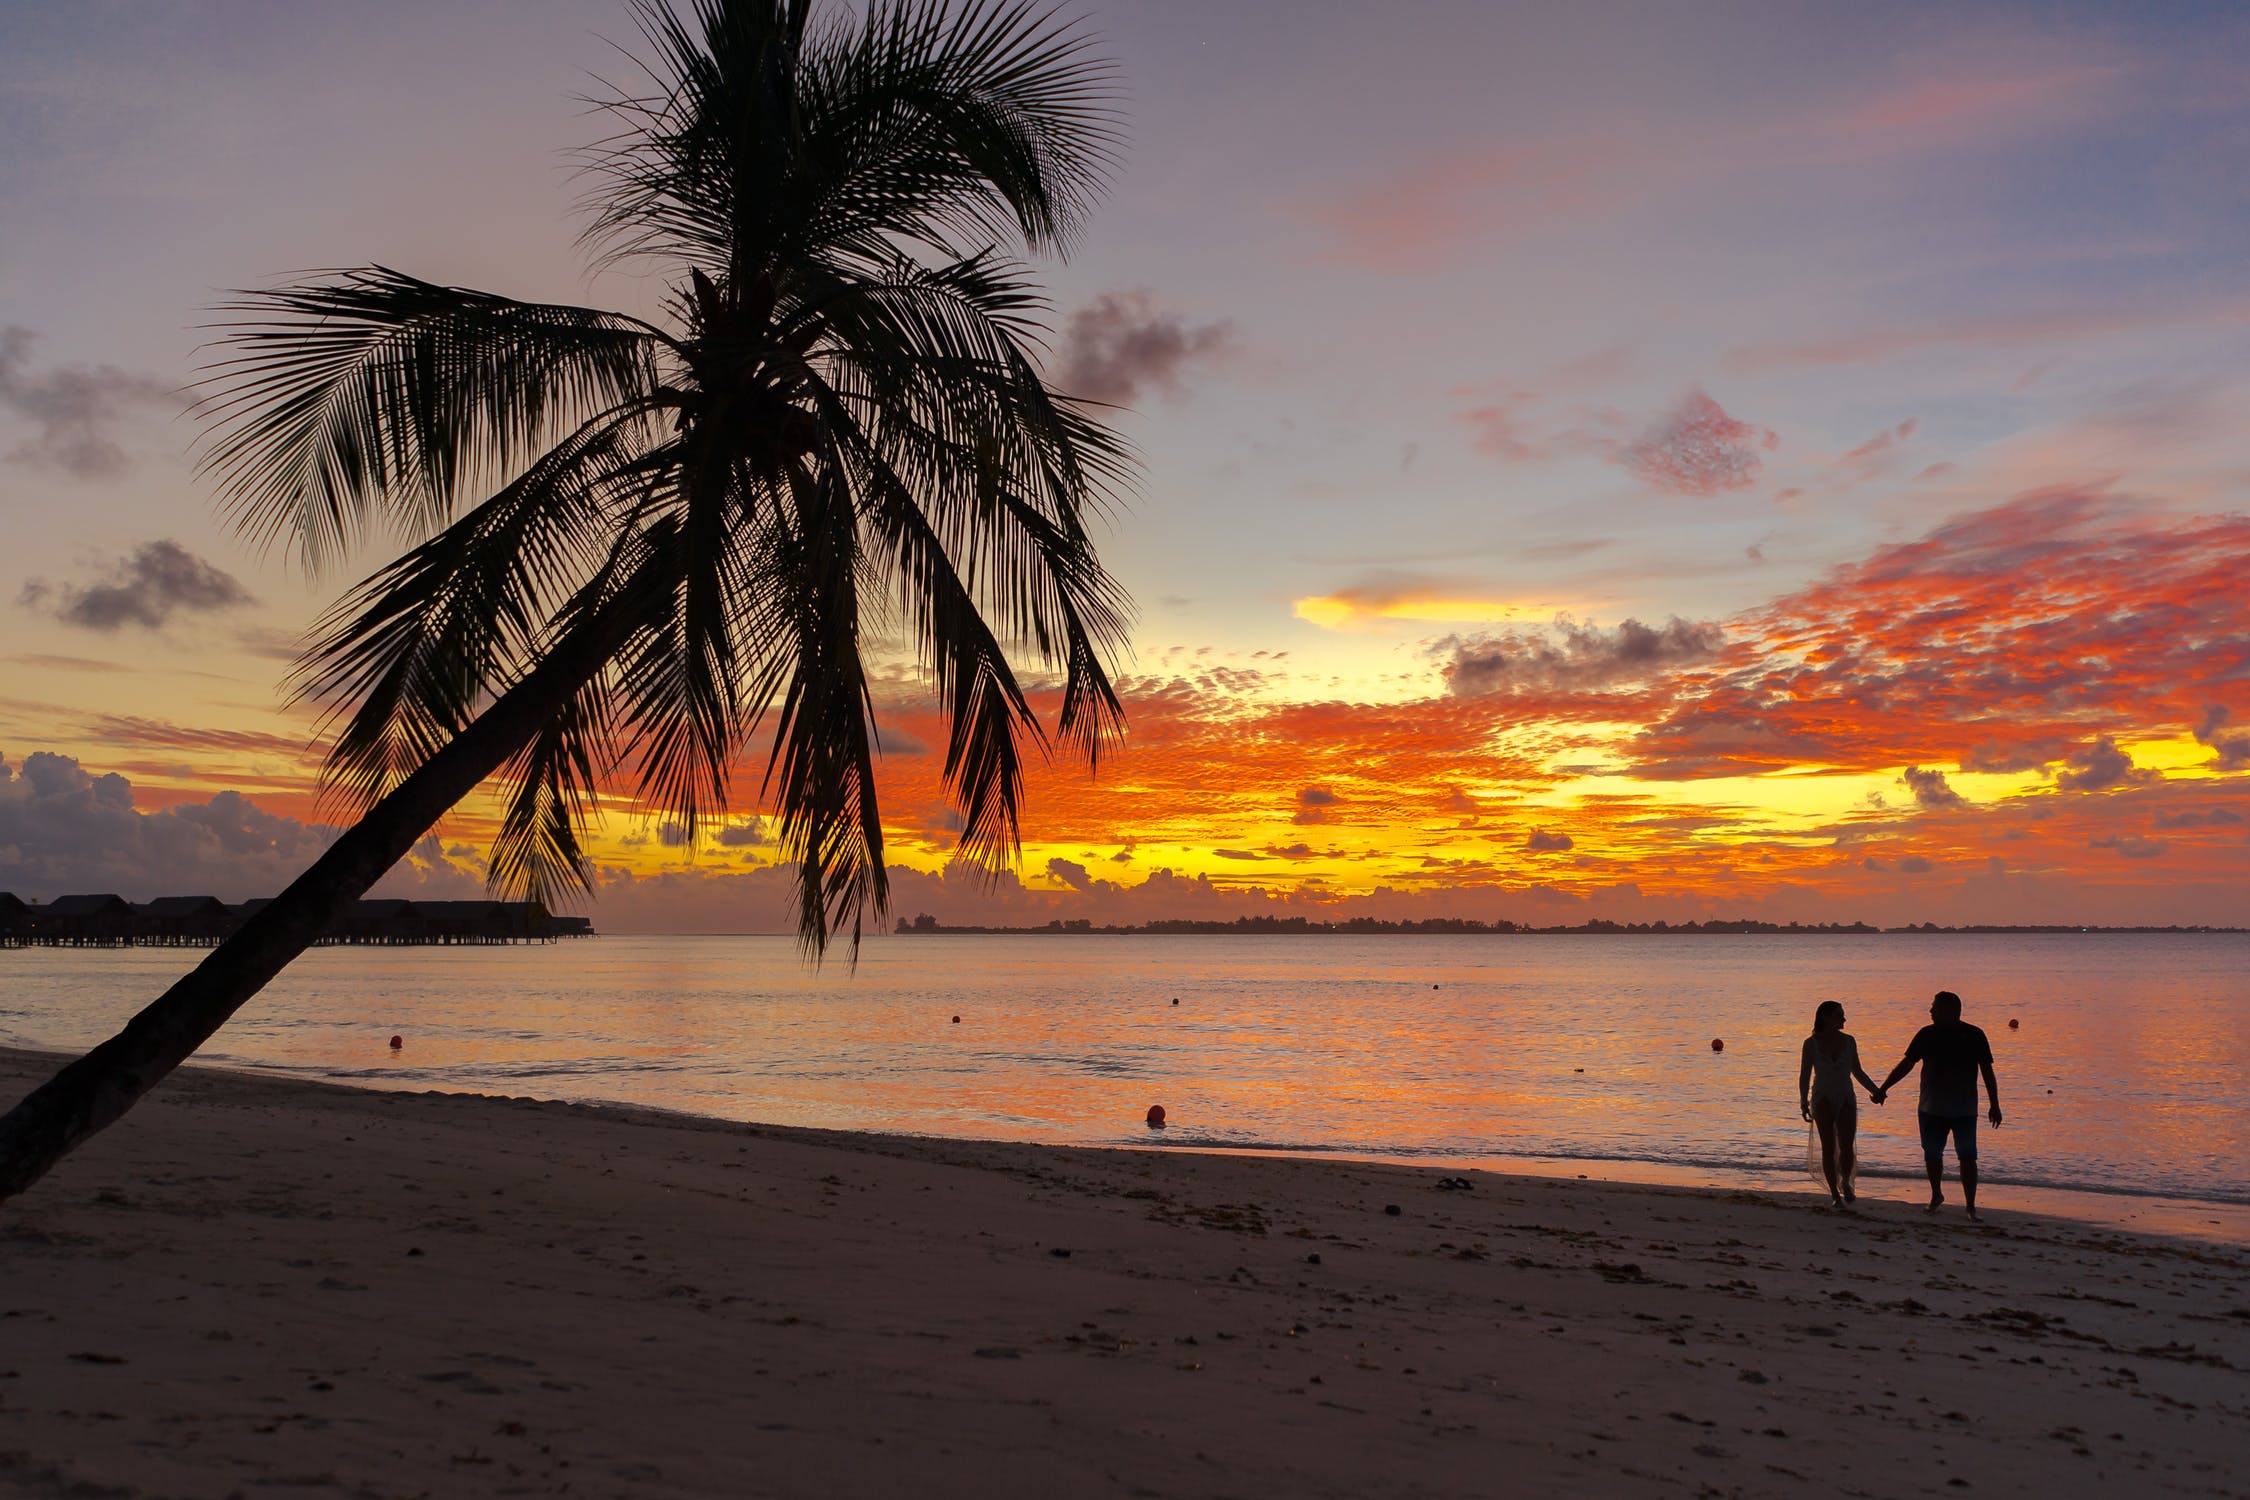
column 1950, row 1053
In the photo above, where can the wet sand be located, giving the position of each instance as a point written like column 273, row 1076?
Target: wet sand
column 277, row 1288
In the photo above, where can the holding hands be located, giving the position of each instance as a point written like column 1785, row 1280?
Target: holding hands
column 1878, row 1095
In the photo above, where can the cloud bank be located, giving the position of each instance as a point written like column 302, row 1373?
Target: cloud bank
column 75, row 410
column 1125, row 344
column 162, row 579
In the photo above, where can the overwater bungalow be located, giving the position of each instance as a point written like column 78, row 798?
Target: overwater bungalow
column 182, row 922
column 86, row 921
column 15, row 920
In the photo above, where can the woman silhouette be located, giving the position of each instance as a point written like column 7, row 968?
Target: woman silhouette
column 1825, row 1070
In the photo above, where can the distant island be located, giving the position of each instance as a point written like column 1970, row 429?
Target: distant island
column 926, row 925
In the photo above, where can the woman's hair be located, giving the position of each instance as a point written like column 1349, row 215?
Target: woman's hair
column 1829, row 1015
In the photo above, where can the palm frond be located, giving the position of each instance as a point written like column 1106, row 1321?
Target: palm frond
column 761, row 141
column 370, row 395
column 822, row 771
column 404, row 661
column 537, row 854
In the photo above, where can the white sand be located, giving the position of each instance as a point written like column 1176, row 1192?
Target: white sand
column 273, row 1288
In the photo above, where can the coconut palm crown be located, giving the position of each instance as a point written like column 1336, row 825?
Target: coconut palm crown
column 840, row 425
column 646, row 546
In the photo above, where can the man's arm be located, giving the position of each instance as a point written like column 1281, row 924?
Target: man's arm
column 1992, row 1089
column 1906, row 1063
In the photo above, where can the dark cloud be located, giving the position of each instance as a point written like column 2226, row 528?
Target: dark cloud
column 672, row 835
column 1697, row 449
column 1236, row 854
column 1571, row 656
column 74, row 408
column 2130, row 845
column 161, row 579
column 1542, row 840
column 746, row 835
column 1125, row 343
column 2000, row 759
column 1929, row 788
column 1071, row 873
column 1914, row 864
column 2233, row 749
column 2099, row 766
column 1313, row 804
column 64, row 829
column 2198, row 817
column 1291, row 851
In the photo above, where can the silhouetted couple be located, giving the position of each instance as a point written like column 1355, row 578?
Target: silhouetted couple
column 1951, row 1052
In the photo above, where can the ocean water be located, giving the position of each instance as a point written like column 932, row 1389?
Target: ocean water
column 2127, row 1073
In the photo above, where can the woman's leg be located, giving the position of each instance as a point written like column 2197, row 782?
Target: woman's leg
column 1824, row 1120
column 1847, row 1148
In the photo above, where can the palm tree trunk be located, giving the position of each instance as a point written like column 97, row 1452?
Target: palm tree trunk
column 99, row 1087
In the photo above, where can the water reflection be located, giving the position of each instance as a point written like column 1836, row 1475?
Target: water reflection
column 1544, row 1047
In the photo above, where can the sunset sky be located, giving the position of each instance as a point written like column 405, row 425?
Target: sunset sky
column 1614, row 460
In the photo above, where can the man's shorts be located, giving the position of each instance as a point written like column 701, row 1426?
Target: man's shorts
column 1963, row 1129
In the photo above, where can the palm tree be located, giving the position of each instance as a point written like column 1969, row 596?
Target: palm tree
column 840, row 428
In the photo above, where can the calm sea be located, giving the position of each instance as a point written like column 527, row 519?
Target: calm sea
column 2126, row 1074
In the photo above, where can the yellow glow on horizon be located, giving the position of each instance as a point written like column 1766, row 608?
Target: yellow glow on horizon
column 1343, row 612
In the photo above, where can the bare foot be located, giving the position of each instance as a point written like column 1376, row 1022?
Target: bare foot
column 1973, row 1213
column 1936, row 1198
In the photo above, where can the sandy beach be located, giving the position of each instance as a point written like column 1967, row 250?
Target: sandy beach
column 259, row 1286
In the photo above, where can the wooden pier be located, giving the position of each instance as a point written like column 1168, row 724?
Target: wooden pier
column 110, row 921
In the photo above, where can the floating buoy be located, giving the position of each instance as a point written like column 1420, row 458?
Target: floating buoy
column 397, row 1042
column 956, row 1020
column 1718, row 1045
column 1433, row 986
column 1175, row 999
column 1156, row 1117
column 2013, row 1023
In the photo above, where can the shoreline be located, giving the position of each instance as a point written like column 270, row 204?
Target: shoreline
column 2173, row 1214
column 265, row 1284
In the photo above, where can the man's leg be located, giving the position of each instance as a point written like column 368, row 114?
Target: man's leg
column 1965, row 1150
column 1933, row 1154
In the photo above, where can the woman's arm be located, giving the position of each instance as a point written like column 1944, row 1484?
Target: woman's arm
column 1804, row 1079
column 1860, row 1073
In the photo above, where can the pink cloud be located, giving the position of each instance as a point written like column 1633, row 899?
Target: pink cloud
column 1499, row 428
column 1873, row 458
column 1699, row 450
column 2015, row 331
column 1956, row 107
column 1420, row 217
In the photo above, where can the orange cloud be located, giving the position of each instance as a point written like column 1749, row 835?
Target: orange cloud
column 2037, row 624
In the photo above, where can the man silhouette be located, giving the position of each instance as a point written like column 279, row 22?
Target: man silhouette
column 1951, row 1053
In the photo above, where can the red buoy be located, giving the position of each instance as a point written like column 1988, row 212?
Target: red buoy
column 2013, row 1023
column 1156, row 1117
column 1717, row 1045
column 397, row 1042
column 956, row 1020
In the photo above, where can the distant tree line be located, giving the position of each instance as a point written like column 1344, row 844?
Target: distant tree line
column 1257, row 926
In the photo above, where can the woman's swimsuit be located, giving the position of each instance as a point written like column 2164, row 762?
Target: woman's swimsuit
column 1832, row 1073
